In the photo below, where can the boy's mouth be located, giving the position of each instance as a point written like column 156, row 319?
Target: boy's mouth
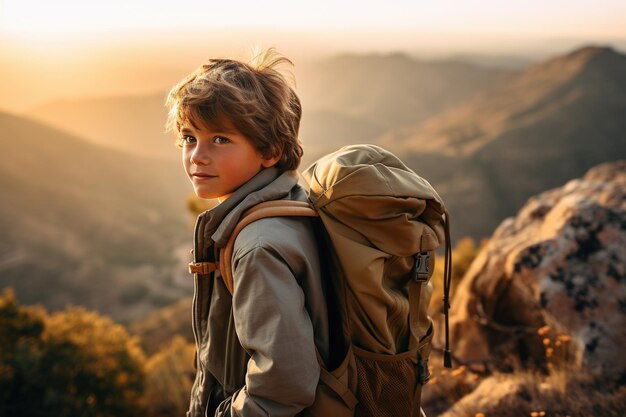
column 202, row 175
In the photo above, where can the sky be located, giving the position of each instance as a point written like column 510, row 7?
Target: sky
column 133, row 45
column 529, row 17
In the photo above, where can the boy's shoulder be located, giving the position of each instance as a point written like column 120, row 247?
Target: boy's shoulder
column 269, row 245
column 286, row 236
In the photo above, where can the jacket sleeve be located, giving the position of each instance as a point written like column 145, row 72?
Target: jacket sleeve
column 273, row 325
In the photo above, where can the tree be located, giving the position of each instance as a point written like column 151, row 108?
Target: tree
column 21, row 352
column 73, row 363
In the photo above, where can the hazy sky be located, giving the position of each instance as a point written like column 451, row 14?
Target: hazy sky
column 605, row 18
column 138, row 46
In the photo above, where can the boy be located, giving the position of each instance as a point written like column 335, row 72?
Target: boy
column 256, row 351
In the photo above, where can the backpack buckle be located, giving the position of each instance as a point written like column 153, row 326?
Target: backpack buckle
column 420, row 268
column 203, row 268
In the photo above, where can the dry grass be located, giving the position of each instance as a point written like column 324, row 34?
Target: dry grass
column 533, row 395
column 565, row 390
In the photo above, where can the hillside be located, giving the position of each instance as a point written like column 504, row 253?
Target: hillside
column 392, row 90
column 131, row 123
column 136, row 125
column 322, row 131
column 347, row 99
column 487, row 139
column 547, row 90
column 86, row 225
column 547, row 125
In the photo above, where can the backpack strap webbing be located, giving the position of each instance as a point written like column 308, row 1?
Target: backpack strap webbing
column 447, row 281
column 275, row 208
column 420, row 275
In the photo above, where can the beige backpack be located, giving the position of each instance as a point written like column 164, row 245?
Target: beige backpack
column 381, row 225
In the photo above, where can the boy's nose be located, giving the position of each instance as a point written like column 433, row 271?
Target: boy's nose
column 200, row 156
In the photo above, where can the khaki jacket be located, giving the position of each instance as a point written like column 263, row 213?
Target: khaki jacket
column 256, row 349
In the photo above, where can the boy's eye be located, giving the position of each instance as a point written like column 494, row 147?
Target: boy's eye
column 186, row 139
column 220, row 140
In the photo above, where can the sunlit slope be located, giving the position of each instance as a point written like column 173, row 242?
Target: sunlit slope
column 392, row 90
column 563, row 94
column 130, row 123
column 322, row 131
column 548, row 125
column 84, row 224
column 136, row 125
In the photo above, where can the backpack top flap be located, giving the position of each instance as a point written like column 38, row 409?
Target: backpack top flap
column 378, row 214
column 373, row 192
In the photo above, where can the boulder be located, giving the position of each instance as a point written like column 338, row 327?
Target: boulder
column 554, row 275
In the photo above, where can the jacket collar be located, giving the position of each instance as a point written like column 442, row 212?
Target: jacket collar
column 268, row 184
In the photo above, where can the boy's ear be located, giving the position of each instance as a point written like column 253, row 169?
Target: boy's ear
column 272, row 160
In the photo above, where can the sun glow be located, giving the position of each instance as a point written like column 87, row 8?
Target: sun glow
column 602, row 17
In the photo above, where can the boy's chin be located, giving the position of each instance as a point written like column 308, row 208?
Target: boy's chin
column 205, row 195
column 210, row 196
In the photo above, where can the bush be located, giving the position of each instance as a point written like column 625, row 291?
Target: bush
column 73, row 363
column 169, row 376
column 21, row 351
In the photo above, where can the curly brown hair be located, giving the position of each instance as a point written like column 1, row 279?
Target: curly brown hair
column 254, row 96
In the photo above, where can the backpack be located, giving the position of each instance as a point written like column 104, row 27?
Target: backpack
column 378, row 225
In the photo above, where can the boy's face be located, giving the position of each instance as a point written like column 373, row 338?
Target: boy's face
column 219, row 162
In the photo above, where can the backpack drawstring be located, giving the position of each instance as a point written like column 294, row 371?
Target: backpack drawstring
column 447, row 280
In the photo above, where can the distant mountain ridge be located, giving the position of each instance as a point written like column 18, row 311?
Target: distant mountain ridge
column 488, row 139
column 539, row 92
column 134, row 124
column 86, row 225
column 346, row 99
column 393, row 90
column 547, row 125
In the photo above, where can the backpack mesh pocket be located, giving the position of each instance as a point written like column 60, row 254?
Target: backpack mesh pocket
column 386, row 384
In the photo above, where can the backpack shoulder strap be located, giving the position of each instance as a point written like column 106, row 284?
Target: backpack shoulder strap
column 275, row 208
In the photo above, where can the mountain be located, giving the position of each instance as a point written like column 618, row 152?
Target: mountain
column 347, row 99
column 578, row 81
column 487, row 139
column 83, row 224
column 392, row 90
column 323, row 130
column 136, row 125
column 547, row 125
column 494, row 61
column 131, row 123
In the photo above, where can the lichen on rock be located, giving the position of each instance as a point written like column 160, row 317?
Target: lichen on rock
column 560, row 262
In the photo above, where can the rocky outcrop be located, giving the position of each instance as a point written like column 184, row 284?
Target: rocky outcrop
column 554, row 275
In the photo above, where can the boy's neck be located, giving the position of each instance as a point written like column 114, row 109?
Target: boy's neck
column 224, row 197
